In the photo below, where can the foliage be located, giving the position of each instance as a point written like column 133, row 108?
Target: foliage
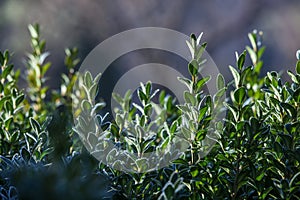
column 256, row 155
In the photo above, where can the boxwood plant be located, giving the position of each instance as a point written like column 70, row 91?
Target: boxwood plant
column 44, row 155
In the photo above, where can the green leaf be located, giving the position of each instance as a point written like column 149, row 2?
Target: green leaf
column 93, row 90
column 260, row 52
column 97, row 106
column 200, row 52
column 20, row 99
column 148, row 88
column 277, row 147
column 199, row 38
column 296, row 95
column 245, row 73
column 187, row 82
column 293, row 179
column 148, row 109
column 252, row 54
column 252, row 38
column 117, row 98
column 298, row 54
column 86, row 105
column 88, row 79
column 193, row 37
column 142, row 163
column 193, row 67
column 235, row 75
column 34, row 31
column 162, row 96
column 181, row 161
column 219, row 95
column 8, row 107
column 7, row 122
column 233, row 110
column 6, row 55
column 97, row 78
column 174, row 126
column 298, row 67
column 202, row 112
column 220, row 82
column 1, row 86
column 142, row 96
column 194, row 172
column 7, row 70
column 114, row 130
column 241, row 61
column 190, row 48
column 168, row 190
column 15, row 136
column 202, row 82
column 289, row 109
column 93, row 140
column 189, row 98
column 1, row 59
column 239, row 95
column 242, row 179
column 35, row 125
column 260, row 176
column 266, row 192
column 25, row 154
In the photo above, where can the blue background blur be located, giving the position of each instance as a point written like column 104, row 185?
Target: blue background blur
column 85, row 23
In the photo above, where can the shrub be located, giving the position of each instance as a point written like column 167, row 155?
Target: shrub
column 256, row 156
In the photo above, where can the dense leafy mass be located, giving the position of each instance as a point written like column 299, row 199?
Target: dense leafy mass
column 256, row 155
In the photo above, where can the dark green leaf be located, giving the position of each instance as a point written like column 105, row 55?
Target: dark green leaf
column 168, row 190
column 162, row 96
column 20, row 99
column 1, row 59
column 1, row 86
column 241, row 60
column 148, row 109
column 289, row 108
column 148, row 88
column 7, row 122
column 25, row 154
column 142, row 96
column 193, row 37
column 180, row 161
column 173, row 126
column 202, row 112
column 239, row 95
column 35, row 125
column 298, row 67
column 8, row 107
column 114, row 130
column 202, row 82
column 193, row 67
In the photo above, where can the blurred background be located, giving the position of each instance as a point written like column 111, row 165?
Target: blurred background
column 84, row 24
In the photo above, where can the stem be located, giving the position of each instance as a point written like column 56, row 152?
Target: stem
column 192, row 154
